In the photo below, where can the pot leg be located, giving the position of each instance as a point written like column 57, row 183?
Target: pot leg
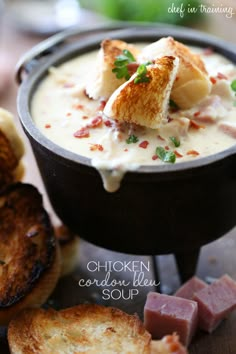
column 156, row 273
column 187, row 264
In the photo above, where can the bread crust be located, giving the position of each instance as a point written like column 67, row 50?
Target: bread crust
column 82, row 329
column 103, row 81
column 145, row 103
column 29, row 254
column 11, row 150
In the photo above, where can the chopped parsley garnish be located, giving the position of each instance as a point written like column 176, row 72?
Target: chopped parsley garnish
column 121, row 62
column 175, row 141
column 141, row 74
column 233, row 85
column 172, row 104
column 165, row 155
column 132, row 139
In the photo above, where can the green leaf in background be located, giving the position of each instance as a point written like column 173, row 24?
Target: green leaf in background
column 147, row 10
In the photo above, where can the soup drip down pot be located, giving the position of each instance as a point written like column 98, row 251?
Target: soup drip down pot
column 169, row 208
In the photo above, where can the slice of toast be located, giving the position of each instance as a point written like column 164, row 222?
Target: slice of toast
column 11, row 150
column 29, row 256
column 145, row 103
column 81, row 329
column 103, row 82
column 192, row 83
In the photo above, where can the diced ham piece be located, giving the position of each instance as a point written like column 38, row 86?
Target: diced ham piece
column 192, row 286
column 176, row 127
column 228, row 128
column 215, row 302
column 164, row 314
column 210, row 110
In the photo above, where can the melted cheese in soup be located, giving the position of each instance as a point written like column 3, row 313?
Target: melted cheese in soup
column 64, row 114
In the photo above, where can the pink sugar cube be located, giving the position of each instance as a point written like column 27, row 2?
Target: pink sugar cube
column 164, row 314
column 215, row 302
column 188, row 289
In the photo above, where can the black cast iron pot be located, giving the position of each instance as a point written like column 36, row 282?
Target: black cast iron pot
column 158, row 209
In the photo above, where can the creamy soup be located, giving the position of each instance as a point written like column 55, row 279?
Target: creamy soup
column 64, row 114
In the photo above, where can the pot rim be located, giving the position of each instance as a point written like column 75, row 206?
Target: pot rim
column 141, row 32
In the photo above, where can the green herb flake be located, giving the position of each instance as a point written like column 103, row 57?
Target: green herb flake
column 121, row 62
column 173, row 105
column 132, row 139
column 141, row 74
column 165, row 155
column 233, row 85
column 175, row 141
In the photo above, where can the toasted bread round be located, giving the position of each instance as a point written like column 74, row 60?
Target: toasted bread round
column 29, row 254
column 11, row 150
column 82, row 329
column 145, row 103
column 192, row 83
column 69, row 245
column 103, row 81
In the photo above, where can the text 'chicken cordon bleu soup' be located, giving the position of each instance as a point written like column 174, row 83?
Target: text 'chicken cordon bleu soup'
column 130, row 105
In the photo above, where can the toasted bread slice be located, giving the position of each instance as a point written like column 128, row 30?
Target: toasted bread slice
column 11, row 150
column 168, row 345
column 103, row 82
column 29, row 255
column 192, row 83
column 82, row 329
column 145, row 103
column 69, row 245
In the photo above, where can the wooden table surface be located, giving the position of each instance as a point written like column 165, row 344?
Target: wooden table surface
column 215, row 259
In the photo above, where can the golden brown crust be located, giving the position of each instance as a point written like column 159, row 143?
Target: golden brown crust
column 28, row 252
column 192, row 83
column 11, row 149
column 144, row 103
column 104, row 82
column 82, row 329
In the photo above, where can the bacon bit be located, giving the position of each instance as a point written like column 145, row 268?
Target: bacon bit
column 169, row 119
column 78, row 106
column 108, row 123
column 221, row 76
column 126, row 150
column 144, row 144
column 96, row 122
column 174, row 347
column 95, row 147
column 160, row 137
column 84, row 117
column 47, row 126
column 82, row 133
column 154, row 157
column 178, row 154
column 177, row 78
column 167, row 147
column 102, row 105
column 193, row 152
column 208, row 51
column 213, row 80
column 68, row 114
column 132, row 68
column 68, row 85
column 195, row 125
column 196, row 114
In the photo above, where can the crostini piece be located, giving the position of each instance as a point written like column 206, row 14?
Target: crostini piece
column 69, row 246
column 82, row 329
column 145, row 102
column 192, row 83
column 29, row 254
column 11, row 150
column 103, row 81
column 168, row 345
